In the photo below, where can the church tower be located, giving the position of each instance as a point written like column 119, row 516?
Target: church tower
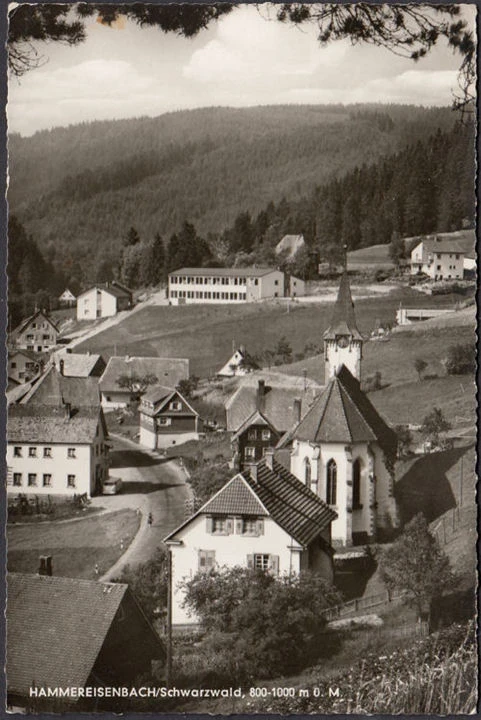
column 342, row 339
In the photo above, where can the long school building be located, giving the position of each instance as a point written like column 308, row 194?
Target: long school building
column 224, row 285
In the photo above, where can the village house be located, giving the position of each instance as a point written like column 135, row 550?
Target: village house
column 37, row 333
column 225, row 285
column 25, row 365
column 342, row 448
column 166, row 371
column 265, row 519
column 240, row 363
column 290, row 246
column 70, row 633
column 258, row 416
column 103, row 300
column 440, row 258
column 54, row 388
column 67, row 298
column 55, row 450
column 167, row 418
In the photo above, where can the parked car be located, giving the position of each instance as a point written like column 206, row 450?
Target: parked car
column 111, row 486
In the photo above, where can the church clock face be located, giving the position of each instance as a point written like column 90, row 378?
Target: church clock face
column 343, row 341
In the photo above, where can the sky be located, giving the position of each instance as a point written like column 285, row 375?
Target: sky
column 245, row 59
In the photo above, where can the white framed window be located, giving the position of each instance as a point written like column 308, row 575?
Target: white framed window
column 252, row 434
column 17, row 452
column 71, row 481
column 266, row 434
column 264, row 562
column 71, row 453
column 32, row 452
column 47, row 452
column 175, row 405
column 249, row 453
column 165, row 421
column 32, row 479
column 261, row 562
column 17, row 479
column 47, row 480
column 206, row 560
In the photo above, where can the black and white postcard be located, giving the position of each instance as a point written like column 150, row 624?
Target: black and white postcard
column 241, row 359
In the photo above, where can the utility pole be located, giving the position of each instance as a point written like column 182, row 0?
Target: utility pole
column 461, row 485
column 168, row 668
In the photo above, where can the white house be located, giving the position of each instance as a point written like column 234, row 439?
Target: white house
column 440, row 258
column 103, row 301
column 37, row 333
column 225, row 285
column 240, row 363
column 264, row 519
column 67, row 298
column 342, row 448
column 56, row 450
column 167, row 371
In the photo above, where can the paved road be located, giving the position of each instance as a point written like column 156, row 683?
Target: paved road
column 153, row 485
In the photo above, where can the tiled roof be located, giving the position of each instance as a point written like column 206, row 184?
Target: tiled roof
column 168, row 371
column 157, row 393
column 343, row 413
column 39, row 357
column 275, row 493
column 49, row 424
column 53, row 388
column 438, row 243
column 292, row 505
column 56, row 627
column 256, row 418
column 277, row 408
column 80, row 364
column 224, row 272
column 343, row 321
column 235, row 498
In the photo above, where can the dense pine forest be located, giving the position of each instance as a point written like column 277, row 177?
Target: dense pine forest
column 136, row 198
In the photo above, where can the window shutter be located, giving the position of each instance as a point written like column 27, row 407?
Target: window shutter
column 250, row 562
column 229, row 526
column 238, row 526
column 202, row 559
column 210, row 559
column 274, row 564
column 209, row 525
column 260, row 526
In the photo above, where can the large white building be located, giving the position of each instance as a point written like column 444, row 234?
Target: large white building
column 262, row 519
column 103, row 301
column 225, row 285
column 56, row 450
column 440, row 258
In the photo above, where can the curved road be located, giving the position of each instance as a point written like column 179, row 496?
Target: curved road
column 152, row 485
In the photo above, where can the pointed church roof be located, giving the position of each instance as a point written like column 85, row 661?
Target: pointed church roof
column 343, row 321
column 343, row 413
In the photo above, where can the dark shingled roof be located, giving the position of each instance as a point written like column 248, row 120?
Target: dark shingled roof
column 277, row 406
column 56, row 627
column 343, row 413
column 168, row 371
column 49, row 424
column 53, row 388
column 275, row 493
column 343, row 321
column 291, row 504
column 28, row 320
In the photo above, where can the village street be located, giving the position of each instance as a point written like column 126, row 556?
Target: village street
column 151, row 484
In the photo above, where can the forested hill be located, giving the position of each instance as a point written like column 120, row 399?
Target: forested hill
column 79, row 189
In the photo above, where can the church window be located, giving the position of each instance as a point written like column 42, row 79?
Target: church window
column 307, row 472
column 331, row 483
column 356, row 484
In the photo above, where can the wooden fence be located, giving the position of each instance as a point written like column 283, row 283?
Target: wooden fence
column 363, row 603
column 453, row 522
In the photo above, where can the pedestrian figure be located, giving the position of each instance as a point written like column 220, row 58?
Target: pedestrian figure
column 122, row 544
column 150, row 519
column 96, row 569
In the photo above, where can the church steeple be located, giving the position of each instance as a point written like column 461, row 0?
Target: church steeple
column 342, row 339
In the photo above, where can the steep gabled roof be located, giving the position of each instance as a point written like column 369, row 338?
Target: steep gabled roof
column 275, row 493
column 257, row 418
column 20, row 328
column 56, row 627
column 159, row 397
column 343, row 413
column 343, row 321
column 292, row 505
column 48, row 424
column 53, row 388
column 277, row 405
column 81, row 364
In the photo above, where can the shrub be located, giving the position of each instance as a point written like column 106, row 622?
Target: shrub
column 373, row 382
column 461, row 359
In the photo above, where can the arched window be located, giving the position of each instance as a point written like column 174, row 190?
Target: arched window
column 307, row 472
column 356, row 483
column 331, row 482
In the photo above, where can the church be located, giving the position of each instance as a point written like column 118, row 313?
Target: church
column 342, row 449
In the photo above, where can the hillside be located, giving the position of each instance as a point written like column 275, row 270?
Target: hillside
column 79, row 189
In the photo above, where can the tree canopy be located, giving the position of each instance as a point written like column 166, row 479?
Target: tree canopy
column 407, row 30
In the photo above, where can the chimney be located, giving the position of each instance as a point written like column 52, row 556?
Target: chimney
column 242, row 349
column 45, row 567
column 269, row 457
column 61, row 366
column 261, row 391
column 68, row 410
column 297, row 410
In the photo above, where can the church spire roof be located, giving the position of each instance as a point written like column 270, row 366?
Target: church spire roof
column 343, row 321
